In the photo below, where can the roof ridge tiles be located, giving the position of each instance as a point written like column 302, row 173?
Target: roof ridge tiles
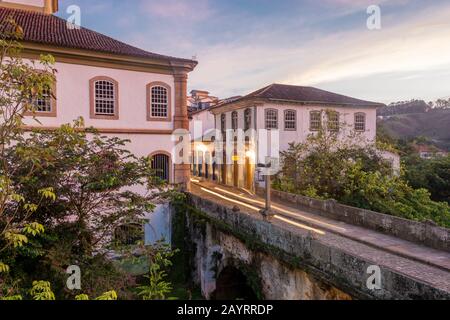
column 52, row 30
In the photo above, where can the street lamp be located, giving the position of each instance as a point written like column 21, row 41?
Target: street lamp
column 267, row 212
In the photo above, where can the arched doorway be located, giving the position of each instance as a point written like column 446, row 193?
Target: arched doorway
column 231, row 284
column 128, row 234
column 160, row 162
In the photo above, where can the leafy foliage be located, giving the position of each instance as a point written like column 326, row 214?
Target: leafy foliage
column 157, row 287
column 328, row 166
column 21, row 83
column 110, row 295
column 62, row 193
column 42, row 291
column 433, row 175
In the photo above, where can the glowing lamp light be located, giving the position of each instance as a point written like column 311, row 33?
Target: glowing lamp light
column 202, row 148
column 250, row 154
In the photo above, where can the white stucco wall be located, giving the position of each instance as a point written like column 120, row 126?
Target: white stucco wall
column 303, row 121
column 73, row 101
column 206, row 118
column 303, row 118
column 72, row 87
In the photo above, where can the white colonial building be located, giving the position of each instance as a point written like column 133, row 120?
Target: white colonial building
column 295, row 112
column 118, row 89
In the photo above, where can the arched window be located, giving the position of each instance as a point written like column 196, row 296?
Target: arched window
column 360, row 121
column 290, row 120
column 104, row 98
column 333, row 121
column 247, row 119
column 158, row 102
column 315, row 120
column 223, row 125
column 234, row 120
column 271, row 119
column 161, row 164
column 128, row 234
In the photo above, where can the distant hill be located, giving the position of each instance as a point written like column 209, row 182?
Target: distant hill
column 434, row 124
column 414, row 106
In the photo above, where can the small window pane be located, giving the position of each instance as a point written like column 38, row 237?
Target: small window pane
column 290, row 120
column 333, row 121
column 315, row 121
column 271, row 119
column 44, row 103
column 234, row 120
column 247, row 119
column 360, row 122
column 159, row 102
column 223, row 121
column 104, row 98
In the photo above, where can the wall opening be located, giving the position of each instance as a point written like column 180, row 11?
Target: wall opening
column 161, row 164
column 232, row 284
column 128, row 234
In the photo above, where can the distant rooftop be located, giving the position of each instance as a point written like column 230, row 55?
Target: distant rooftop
column 300, row 94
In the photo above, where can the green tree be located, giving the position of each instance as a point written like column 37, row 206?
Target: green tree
column 332, row 166
column 21, row 84
column 100, row 186
column 433, row 175
column 158, row 287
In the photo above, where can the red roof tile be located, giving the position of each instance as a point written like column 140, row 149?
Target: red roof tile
column 51, row 30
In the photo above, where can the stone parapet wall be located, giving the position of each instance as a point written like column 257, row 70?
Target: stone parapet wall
column 423, row 233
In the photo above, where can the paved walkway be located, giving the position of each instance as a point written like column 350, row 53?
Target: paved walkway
column 410, row 258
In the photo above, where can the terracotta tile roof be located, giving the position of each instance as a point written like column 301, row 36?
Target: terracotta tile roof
column 51, row 30
column 300, row 94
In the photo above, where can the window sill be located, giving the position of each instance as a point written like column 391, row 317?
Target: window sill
column 40, row 114
column 154, row 119
column 104, row 117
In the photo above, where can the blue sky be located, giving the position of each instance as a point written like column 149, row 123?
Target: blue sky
column 243, row 45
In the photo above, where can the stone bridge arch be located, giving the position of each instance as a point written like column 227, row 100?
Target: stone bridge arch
column 221, row 256
column 233, row 284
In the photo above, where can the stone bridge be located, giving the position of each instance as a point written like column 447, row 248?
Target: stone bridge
column 309, row 250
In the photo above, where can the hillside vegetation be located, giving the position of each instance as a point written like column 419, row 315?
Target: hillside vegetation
column 434, row 125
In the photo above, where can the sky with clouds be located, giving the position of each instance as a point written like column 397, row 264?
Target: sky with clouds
column 243, row 45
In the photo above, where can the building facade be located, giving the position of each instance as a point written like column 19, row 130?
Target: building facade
column 294, row 112
column 120, row 90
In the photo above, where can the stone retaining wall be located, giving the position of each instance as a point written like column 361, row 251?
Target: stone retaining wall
column 418, row 232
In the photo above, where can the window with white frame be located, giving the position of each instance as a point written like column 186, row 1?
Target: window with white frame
column 360, row 121
column 333, row 121
column 105, row 98
column 159, row 102
column 234, row 120
column 290, row 120
column 315, row 120
column 271, row 119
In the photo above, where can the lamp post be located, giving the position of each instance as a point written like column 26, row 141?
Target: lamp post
column 267, row 212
